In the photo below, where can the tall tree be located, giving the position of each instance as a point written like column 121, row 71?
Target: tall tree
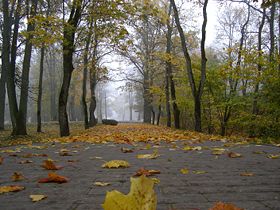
column 6, row 34
column 69, row 31
column 196, row 91
column 22, row 112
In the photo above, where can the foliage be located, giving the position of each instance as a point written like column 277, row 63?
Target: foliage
column 140, row 197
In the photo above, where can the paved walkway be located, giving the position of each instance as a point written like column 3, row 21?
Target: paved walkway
column 176, row 191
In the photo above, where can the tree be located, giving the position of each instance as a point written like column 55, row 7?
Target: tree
column 196, row 91
column 69, row 31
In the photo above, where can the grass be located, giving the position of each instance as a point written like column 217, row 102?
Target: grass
column 50, row 131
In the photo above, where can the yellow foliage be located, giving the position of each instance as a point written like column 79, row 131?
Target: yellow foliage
column 140, row 197
column 116, row 164
column 36, row 198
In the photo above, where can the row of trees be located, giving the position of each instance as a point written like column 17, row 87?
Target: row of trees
column 229, row 86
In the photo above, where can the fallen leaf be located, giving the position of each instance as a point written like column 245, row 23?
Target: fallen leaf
column 272, row 156
column 49, row 165
column 126, row 150
column 187, row 148
column 36, row 198
column 64, row 152
column 199, row 172
column 99, row 158
column 154, row 155
column 11, row 151
column 224, row 206
column 184, row 171
column 53, row 177
column 72, row 161
column 258, row 152
column 17, row 177
column 156, row 180
column 145, row 172
column 25, row 161
column 11, row 188
column 116, row 164
column 246, row 174
column 141, row 196
column 198, row 148
column 29, row 155
column 1, row 160
column 101, row 184
column 37, row 147
column 148, row 146
column 234, row 155
column 218, row 151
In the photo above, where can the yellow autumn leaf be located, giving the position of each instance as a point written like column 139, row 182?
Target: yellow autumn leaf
column 184, row 171
column 271, row 156
column 36, row 198
column 11, row 188
column 234, row 155
column 156, row 180
column 198, row 148
column 116, row 164
column 140, row 197
column 218, row 151
column 187, row 148
column 154, row 155
column 101, row 184
column 199, row 172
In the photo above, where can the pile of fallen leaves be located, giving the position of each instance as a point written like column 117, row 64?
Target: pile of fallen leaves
column 130, row 133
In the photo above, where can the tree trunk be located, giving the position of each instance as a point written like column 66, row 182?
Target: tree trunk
column 93, row 82
column 5, row 59
column 197, row 117
column 223, row 129
column 84, row 95
column 2, row 97
column 7, row 64
column 176, row 111
column 62, row 109
column 168, row 69
column 39, row 100
column 130, row 100
column 271, row 32
column 159, row 114
column 256, row 90
column 69, row 32
column 153, row 116
column 53, row 87
column 147, row 106
column 22, row 114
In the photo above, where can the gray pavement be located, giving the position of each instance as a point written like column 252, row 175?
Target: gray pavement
column 176, row 191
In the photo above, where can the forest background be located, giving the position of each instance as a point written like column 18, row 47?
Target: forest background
column 140, row 60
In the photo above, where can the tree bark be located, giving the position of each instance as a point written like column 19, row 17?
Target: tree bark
column 69, row 32
column 10, row 50
column 6, row 34
column 176, row 111
column 84, row 95
column 271, row 32
column 53, row 87
column 168, row 67
column 22, row 113
column 39, row 99
column 159, row 114
column 256, row 90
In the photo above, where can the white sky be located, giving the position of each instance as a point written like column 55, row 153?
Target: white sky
column 212, row 10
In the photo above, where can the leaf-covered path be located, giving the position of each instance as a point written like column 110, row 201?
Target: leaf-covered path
column 194, row 173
